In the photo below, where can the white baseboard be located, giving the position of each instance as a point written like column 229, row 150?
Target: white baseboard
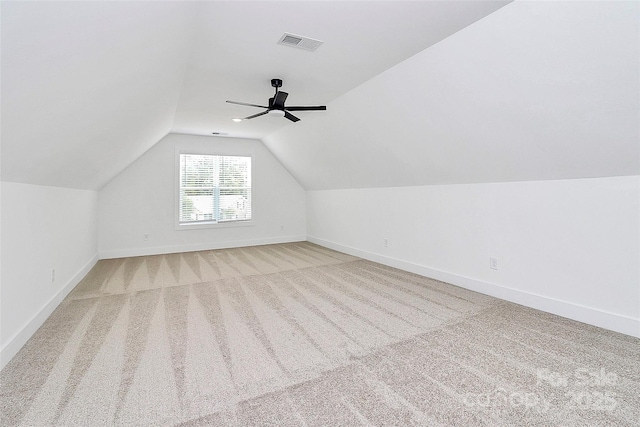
column 18, row 340
column 592, row 316
column 205, row 246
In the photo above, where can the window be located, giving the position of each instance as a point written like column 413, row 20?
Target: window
column 214, row 189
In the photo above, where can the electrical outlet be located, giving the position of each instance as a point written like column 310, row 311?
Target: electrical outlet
column 281, row 227
column 385, row 242
column 145, row 236
column 493, row 263
column 53, row 275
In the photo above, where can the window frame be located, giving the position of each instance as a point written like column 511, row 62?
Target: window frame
column 204, row 224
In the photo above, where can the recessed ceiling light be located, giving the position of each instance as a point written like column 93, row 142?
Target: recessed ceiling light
column 237, row 120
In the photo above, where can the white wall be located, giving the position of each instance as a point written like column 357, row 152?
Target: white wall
column 571, row 247
column 141, row 200
column 43, row 228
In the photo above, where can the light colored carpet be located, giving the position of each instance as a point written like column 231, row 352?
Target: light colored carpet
column 296, row 334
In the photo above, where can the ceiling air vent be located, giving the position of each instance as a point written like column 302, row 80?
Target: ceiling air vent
column 301, row 42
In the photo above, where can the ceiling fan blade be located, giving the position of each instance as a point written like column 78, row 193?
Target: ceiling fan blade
column 291, row 117
column 256, row 115
column 248, row 105
column 278, row 100
column 276, row 105
column 311, row 108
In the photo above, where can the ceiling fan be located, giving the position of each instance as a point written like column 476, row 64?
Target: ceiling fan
column 276, row 105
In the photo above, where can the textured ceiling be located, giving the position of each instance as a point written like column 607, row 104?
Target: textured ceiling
column 87, row 87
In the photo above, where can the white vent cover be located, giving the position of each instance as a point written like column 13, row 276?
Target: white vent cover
column 301, row 42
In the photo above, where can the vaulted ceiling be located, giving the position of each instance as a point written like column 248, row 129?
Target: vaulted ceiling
column 424, row 91
column 534, row 91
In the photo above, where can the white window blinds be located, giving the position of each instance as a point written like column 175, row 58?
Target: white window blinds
column 214, row 188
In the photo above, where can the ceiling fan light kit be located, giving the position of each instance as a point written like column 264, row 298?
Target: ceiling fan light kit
column 276, row 113
column 276, row 106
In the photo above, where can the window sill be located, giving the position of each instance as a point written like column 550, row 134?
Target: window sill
column 213, row 225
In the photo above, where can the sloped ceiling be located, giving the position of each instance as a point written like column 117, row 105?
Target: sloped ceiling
column 87, row 87
column 421, row 92
column 534, row 91
column 235, row 54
